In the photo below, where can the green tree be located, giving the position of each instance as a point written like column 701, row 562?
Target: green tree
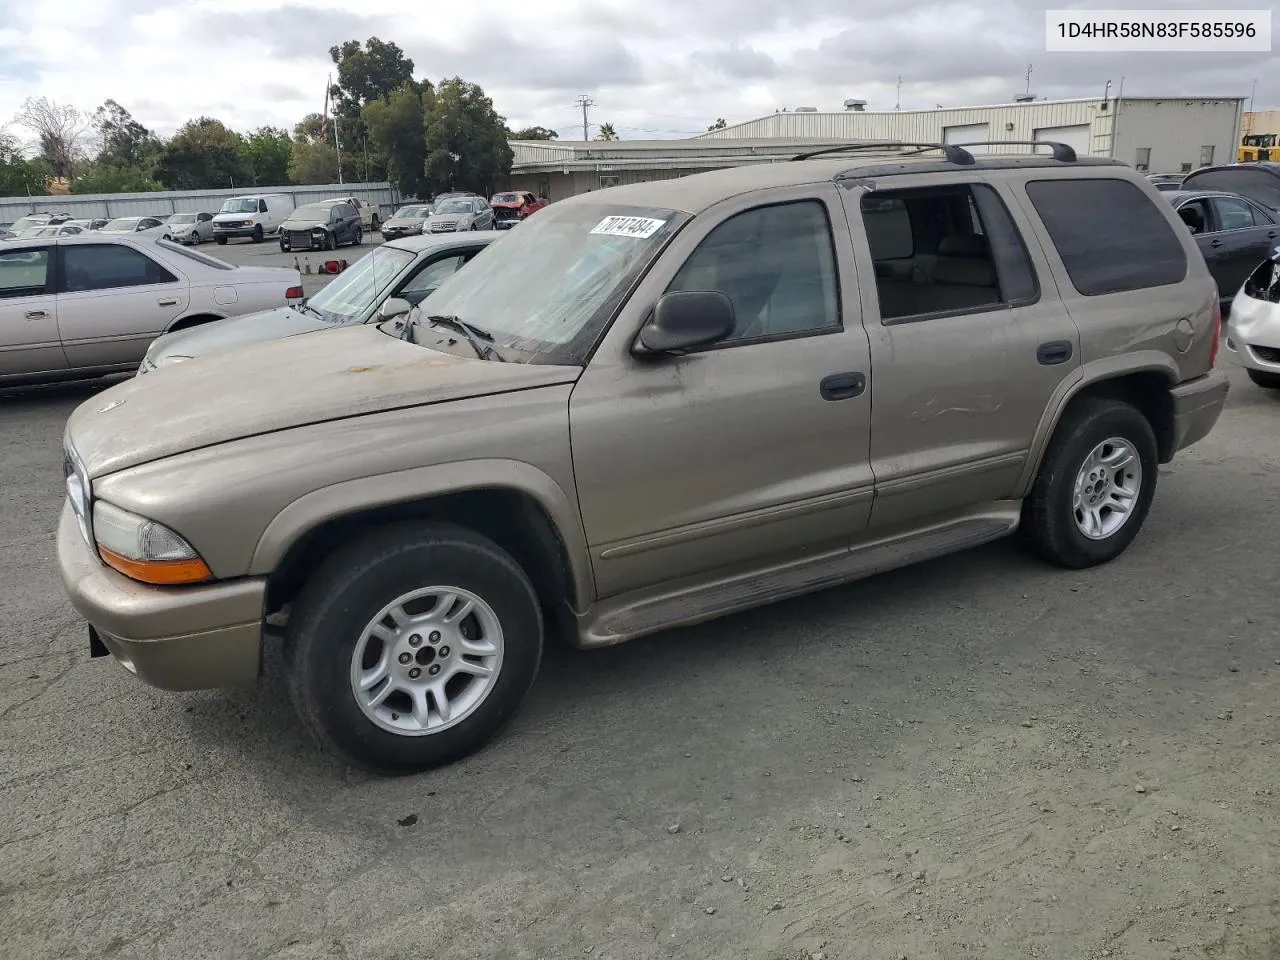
column 19, row 175
column 533, row 133
column 313, row 163
column 203, row 155
column 313, row 129
column 109, row 178
column 720, row 124
column 122, row 141
column 466, row 140
column 607, row 132
column 266, row 153
column 367, row 72
column 397, row 130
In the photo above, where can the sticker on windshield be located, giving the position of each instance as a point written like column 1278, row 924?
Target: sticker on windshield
column 639, row 227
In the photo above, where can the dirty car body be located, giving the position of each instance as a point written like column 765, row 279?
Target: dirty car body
column 647, row 407
column 1253, row 326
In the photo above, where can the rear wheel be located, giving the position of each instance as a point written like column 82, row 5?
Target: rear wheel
column 411, row 648
column 1269, row 381
column 374, row 224
column 1095, row 486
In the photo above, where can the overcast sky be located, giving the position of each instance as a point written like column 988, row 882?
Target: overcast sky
column 656, row 68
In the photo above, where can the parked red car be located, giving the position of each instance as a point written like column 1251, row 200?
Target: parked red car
column 512, row 206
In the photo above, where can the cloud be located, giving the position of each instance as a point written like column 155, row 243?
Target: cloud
column 657, row 68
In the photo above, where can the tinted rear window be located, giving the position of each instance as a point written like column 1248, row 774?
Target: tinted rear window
column 1257, row 183
column 1110, row 236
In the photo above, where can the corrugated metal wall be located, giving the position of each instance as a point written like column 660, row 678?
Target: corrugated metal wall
column 189, row 201
column 1007, row 122
column 1176, row 131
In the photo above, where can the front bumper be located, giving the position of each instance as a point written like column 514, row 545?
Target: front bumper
column 1253, row 334
column 234, row 231
column 174, row 638
column 1197, row 404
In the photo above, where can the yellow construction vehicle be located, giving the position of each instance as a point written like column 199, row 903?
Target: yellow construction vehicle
column 1258, row 146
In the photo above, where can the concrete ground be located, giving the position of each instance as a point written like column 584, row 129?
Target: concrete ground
column 977, row 758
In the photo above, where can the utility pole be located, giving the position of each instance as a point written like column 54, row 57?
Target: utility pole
column 898, row 105
column 585, row 101
column 1029, row 69
column 1252, row 90
column 337, row 146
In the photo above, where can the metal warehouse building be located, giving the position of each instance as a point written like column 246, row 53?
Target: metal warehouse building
column 1154, row 134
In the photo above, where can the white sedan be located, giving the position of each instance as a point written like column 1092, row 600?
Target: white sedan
column 90, row 305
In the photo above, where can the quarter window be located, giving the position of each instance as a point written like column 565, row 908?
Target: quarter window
column 24, row 273
column 107, row 267
column 776, row 264
column 1109, row 234
column 947, row 250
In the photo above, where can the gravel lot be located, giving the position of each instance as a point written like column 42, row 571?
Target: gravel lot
column 976, row 758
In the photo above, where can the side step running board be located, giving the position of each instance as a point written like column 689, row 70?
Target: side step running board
column 635, row 617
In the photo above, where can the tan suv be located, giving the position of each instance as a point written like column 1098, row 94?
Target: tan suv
column 649, row 406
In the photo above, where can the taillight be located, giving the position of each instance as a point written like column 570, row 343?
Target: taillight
column 1217, row 333
column 294, row 293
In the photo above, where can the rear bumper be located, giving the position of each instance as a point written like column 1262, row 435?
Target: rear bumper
column 174, row 638
column 1197, row 404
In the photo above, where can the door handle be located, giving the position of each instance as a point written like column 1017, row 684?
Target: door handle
column 1215, row 243
column 37, row 314
column 842, row 386
column 1054, row 352
column 168, row 301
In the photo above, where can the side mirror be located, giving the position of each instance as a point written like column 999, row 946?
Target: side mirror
column 685, row 320
column 394, row 307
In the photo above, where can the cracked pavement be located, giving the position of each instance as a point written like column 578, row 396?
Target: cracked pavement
column 939, row 763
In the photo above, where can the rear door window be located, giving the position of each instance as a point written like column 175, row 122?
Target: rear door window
column 108, row 267
column 1109, row 234
column 24, row 273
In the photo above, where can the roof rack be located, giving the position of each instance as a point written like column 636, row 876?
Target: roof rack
column 955, row 153
column 1061, row 151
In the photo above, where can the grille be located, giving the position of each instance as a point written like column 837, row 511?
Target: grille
column 506, row 213
column 1266, row 354
column 299, row 238
column 443, row 226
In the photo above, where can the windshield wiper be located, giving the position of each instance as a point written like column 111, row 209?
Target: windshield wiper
column 475, row 335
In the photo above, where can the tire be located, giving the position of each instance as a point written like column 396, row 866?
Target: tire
column 195, row 238
column 339, row 605
column 1268, row 381
column 284, row 247
column 220, row 241
column 374, row 224
column 359, row 238
column 258, row 235
column 1049, row 516
column 331, row 241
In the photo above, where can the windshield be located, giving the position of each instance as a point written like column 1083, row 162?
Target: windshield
column 318, row 212
column 548, row 288
column 122, row 225
column 359, row 286
column 407, row 213
column 183, row 218
column 453, row 206
column 507, row 198
column 24, row 223
column 240, row 206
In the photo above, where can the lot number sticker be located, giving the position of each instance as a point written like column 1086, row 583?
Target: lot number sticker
column 639, row 227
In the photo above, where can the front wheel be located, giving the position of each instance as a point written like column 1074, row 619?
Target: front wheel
column 374, row 224
column 258, row 235
column 220, row 241
column 1268, row 381
column 411, row 648
column 358, row 238
column 1095, row 486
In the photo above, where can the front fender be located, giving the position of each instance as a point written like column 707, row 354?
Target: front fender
column 421, row 483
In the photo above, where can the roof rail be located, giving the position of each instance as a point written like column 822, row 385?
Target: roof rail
column 1061, row 151
column 955, row 153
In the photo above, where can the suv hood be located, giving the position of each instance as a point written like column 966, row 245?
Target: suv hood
column 298, row 224
column 263, row 388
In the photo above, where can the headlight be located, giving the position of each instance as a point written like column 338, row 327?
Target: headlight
column 78, row 491
column 144, row 550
